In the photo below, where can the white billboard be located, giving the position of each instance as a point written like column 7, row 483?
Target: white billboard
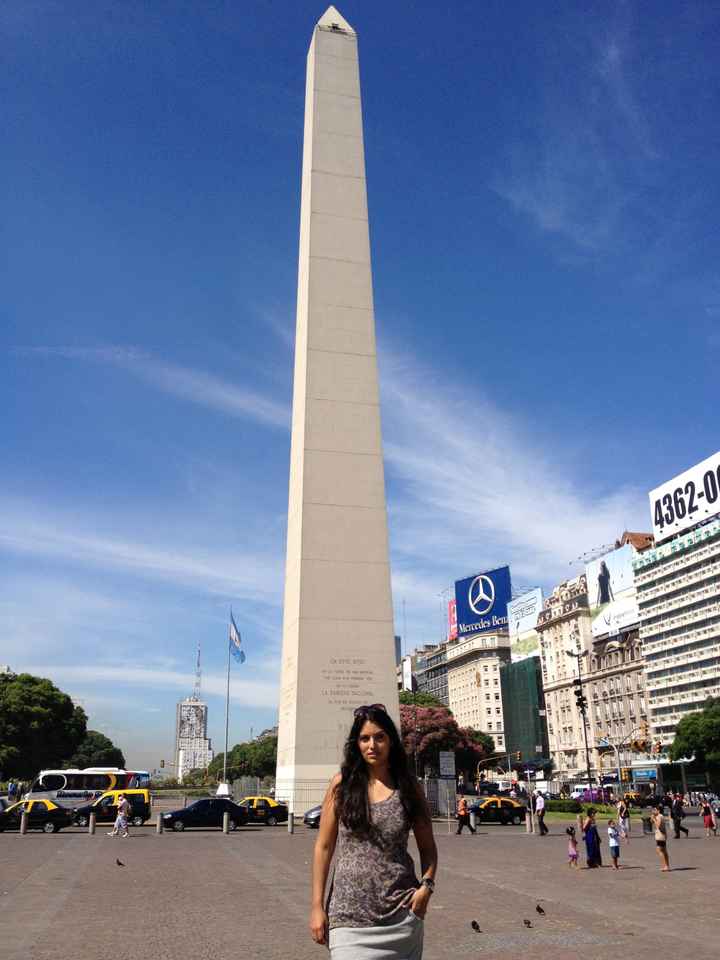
column 688, row 499
column 522, row 620
column 611, row 592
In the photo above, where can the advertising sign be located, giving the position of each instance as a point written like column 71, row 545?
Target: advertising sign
column 687, row 499
column 611, row 592
column 452, row 620
column 482, row 601
column 522, row 619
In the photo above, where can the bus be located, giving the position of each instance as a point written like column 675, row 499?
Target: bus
column 68, row 788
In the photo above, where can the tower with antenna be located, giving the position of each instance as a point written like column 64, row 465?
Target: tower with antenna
column 193, row 748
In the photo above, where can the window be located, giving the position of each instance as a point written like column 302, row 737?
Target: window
column 497, row 710
column 497, row 696
column 489, row 726
column 488, row 711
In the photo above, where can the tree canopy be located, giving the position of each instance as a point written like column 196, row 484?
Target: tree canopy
column 428, row 730
column 698, row 734
column 40, row 726
column 256, row 758
column 420, row 699
column 96, row 750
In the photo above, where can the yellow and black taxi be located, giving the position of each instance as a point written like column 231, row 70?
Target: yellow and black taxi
column 265, row 810
column 207, row 812
column 41, row 815
column 105, row 807
column 502, row 810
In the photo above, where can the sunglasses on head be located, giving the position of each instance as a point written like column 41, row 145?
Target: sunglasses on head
column 361, row 711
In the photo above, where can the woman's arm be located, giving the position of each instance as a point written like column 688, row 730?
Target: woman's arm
column 322, row 857
column 423, row 830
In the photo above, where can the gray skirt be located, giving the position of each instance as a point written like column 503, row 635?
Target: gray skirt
column 401, row 941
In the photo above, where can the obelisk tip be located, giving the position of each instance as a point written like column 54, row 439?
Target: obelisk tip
column 331, row 19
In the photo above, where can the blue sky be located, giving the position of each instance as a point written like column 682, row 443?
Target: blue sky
column 543, row 194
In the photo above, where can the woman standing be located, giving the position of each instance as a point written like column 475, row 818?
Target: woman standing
column 706, row 813
column 376, row 905
column 592, row 839
column 623, row 811
column 658, row 822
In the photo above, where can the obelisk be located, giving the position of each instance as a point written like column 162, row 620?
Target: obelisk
column 338, row 647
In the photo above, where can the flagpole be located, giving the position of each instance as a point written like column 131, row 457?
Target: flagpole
column 227, row 711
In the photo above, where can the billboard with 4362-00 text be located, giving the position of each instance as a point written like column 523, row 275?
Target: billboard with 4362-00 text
column 481, row 602
column 688, row 499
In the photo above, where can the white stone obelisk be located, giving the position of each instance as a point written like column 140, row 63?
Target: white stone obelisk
column 338, row 648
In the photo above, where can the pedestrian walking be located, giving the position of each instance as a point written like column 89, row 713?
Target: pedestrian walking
column 121, row 820
column 706, row 812
column 614, row 843
column 677, row 812
column 572, row 847
column 11, row 792
column 376, row 905
column 463, row 817
column 540, row 813
column 658, row 822
column 592, row 840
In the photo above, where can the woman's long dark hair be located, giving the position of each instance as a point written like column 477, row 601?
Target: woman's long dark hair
column 351, row 796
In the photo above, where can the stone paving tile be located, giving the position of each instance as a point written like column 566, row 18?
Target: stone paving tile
column 202, row 895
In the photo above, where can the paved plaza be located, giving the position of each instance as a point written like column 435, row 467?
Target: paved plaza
column 204, row 895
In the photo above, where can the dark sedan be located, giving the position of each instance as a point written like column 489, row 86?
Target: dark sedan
column 206, row 813
column 42, row 815
column 312, row 817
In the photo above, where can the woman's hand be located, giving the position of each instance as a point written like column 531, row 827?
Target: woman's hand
column 419, row 902
column 318, row 925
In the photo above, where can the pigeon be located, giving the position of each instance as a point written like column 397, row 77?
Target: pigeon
column 539, row 909
column 476, row 926
column 527, row 923
column 119, row 862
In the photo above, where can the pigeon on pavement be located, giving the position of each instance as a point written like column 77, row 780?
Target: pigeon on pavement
column 476, row 926
column 119, row 862
column 527, row 923
column 540, row 910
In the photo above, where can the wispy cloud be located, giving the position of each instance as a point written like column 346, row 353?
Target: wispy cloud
column 193, row 386
column 28, row 528
column 468, row 493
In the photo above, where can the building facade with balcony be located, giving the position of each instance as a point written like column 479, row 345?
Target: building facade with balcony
column 473, row 682
column 678, row 587
column 564, row 625
column 432, row 673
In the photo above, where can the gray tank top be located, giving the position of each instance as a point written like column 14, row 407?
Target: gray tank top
column 374, row 879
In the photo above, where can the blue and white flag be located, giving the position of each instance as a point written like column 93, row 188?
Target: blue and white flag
column 235, row 641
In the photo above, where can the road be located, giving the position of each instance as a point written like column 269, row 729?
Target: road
column 204, row 895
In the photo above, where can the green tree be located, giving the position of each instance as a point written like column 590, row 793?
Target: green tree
column 40, row 726
column 420, row 699
column 96, row 750
column 698, row 734
column 256, row 758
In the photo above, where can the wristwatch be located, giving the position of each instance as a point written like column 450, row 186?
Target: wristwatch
column 427, row 882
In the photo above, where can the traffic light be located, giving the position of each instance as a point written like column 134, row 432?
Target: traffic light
column 644, row 731
column 162, row 763
column 657, row 748
column 518, row 755
column 580, row 699
column 625, row 774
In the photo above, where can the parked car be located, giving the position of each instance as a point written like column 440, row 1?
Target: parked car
column 499, row 810
column 312, row 817
column 105, row 807
column 265, row 810
column 207, row 812
column 42, row 815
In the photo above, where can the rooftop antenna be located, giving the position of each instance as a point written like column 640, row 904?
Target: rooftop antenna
column 196, row 685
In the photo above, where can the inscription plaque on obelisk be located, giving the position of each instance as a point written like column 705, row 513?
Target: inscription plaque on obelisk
column 338, row 647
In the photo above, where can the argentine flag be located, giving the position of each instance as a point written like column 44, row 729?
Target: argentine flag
column 235, row 641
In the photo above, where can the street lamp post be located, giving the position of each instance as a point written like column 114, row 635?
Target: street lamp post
column 582, row 705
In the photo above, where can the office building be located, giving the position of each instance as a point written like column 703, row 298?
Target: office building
column 524, row 710
column 473, row 682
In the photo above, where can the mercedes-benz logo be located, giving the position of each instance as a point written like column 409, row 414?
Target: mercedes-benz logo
column 481, row 595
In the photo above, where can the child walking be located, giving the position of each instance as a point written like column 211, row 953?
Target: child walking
column 572, row 847
column 614, row 843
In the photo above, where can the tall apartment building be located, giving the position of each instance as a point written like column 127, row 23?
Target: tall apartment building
column 432, row 673
column 473, row 682
column 193, row 748
column 564, row 624
column 678, row 586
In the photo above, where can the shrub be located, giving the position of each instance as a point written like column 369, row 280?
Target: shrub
column 563, row 806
